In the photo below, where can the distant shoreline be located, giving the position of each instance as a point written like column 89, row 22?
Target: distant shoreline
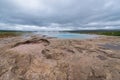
column 14, row 33
column 98, row 32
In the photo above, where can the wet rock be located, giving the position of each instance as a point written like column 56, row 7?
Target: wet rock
column 101, row 57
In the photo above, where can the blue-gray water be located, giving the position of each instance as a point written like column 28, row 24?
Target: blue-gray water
column 111, row 46
column 66, row 35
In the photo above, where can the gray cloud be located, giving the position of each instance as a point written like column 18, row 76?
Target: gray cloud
column 59, row 14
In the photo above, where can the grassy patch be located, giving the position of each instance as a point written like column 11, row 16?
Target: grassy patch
column 9, row 34
column 110, row 33
column 99, row 32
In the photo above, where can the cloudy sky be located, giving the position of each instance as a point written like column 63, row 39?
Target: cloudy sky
column 59, row 14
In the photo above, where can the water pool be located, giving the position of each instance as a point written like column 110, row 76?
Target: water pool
column 66, row 35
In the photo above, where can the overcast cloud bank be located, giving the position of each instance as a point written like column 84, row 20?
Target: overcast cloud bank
column 59, row 14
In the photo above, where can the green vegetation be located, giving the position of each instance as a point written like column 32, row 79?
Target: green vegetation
column 9, row 34
column 99, row 32
column 110, row 33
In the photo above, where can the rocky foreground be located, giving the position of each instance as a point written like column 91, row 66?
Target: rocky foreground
column 42, row 58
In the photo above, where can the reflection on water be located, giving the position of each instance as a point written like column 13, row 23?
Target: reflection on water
column 66, row 35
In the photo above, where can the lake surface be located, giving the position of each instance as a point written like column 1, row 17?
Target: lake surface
column 66, row 35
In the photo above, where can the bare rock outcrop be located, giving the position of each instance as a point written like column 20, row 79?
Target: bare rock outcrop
column 54, row 59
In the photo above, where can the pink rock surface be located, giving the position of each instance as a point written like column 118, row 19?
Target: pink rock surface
column 57, row 59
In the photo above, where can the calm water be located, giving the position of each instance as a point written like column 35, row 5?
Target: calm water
column 66, row 35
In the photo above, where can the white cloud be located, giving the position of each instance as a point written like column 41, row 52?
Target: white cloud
column 107, row 23
column 51, row 27
column 108, row 4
